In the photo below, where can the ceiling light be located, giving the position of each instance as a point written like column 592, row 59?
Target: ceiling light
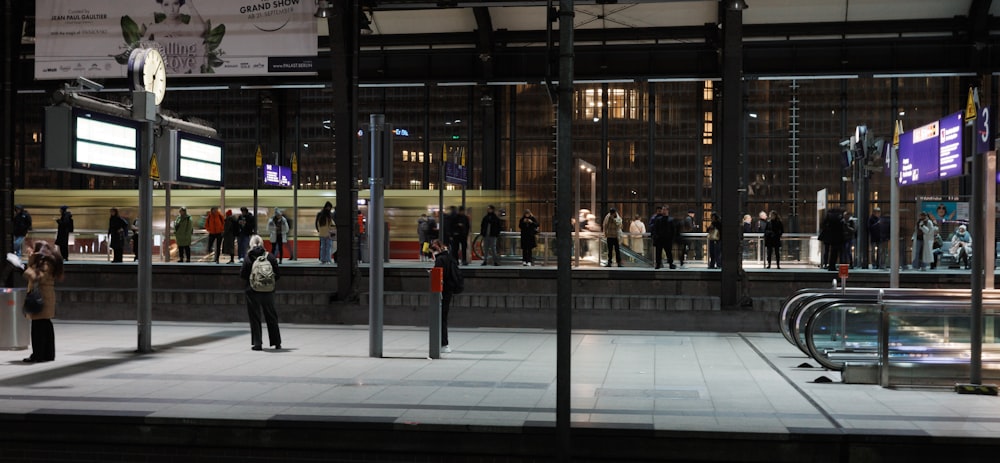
column 736, row 5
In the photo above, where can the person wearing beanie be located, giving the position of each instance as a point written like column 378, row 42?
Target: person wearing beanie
column 183, row 229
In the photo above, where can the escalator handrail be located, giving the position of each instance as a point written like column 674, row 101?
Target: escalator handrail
column 895, row 307
column 788, row 316
column 811, row 304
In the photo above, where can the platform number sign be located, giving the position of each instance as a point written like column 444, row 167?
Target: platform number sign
column 984, row 131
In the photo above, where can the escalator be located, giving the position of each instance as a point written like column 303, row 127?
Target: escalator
column 912, row 336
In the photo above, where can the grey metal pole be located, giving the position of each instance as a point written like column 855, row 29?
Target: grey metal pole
column 165, row 248
column 894, row 247
column 145, row 242
column 978, row 249
column 375, row 231
column 564, row 197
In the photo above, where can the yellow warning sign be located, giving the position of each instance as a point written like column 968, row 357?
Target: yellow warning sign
column 295, row 164
column 258, row 158
column 154, row 168
column 897, row 132
column 970, row 105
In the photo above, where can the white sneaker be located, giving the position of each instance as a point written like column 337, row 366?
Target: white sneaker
column 445, row 350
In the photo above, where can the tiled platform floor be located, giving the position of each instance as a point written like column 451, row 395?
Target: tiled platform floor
column 692, row 382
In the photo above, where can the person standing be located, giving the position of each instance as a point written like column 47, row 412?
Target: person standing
column 923, row 238
column 444, row 260
column 423, row 229
column 715, row 242
column 183, row 229
column 637, row 229
column 229, row 235
column 277, row 227
column 260, row 271
column 875, row 237
column 246, row 227
column 886, row 259
column 690, row 225
column 460, row 237
column 772, row 238
column 663, row 237
column 22, row 225
column 134, row 228
column 490, row 230
column 612, row 226
column 832, row 235
column 529, row 230
column 45, row 266
column 327, row 231
column 117, row 230
column 64, row 226
column 850, row 235
column 215, row 225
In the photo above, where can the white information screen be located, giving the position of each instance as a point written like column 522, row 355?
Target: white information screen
column 200, row 160
column 100, row 143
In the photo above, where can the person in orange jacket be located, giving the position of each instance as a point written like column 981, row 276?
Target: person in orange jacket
column 215, row 225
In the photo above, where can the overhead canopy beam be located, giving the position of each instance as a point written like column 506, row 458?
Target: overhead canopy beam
column 484, row 40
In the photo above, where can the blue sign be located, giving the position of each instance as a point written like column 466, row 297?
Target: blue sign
column 932, row 152
column 984, row 131
column 455, row 173
column 277, row 175
column 950, row 146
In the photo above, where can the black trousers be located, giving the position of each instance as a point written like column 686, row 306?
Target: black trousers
column 660, row 247
column 63, row 243
column 614, row 249
column 183, row 251
column 445, row 305
column 216, row 239
column 257, row 303
column 459, row 246
column 43, row 340
column 526, row 255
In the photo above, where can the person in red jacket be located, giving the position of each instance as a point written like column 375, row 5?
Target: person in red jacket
column 215, row 225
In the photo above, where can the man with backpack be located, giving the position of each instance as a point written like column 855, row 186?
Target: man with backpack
column 260, row 271
column 454, row 283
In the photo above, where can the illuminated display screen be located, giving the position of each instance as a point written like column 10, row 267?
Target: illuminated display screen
column 106, row 143
column 199, row 159
column 931, row 152
column 277, row 175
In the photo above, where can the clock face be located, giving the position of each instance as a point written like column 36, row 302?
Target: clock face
column 154, row 75
column 148, row 72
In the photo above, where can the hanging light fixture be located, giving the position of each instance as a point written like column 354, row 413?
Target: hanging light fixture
column 323, row 8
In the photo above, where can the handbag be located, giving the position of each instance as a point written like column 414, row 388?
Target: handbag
column 33, row 302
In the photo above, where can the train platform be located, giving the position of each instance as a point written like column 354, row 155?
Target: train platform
column 204, row 395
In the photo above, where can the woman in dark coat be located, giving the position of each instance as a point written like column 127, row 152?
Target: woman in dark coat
column 529, row 228
column 229, row 236
column 773, row 230
column 117, row 231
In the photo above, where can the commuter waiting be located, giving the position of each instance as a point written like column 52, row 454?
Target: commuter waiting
column 961, row 246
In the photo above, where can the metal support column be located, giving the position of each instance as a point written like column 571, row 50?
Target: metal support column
column 564, row 198
column 144, row 310
column 732, row 137
column 376, row 224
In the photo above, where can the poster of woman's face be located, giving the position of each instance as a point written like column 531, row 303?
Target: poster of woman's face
column 946, row 211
